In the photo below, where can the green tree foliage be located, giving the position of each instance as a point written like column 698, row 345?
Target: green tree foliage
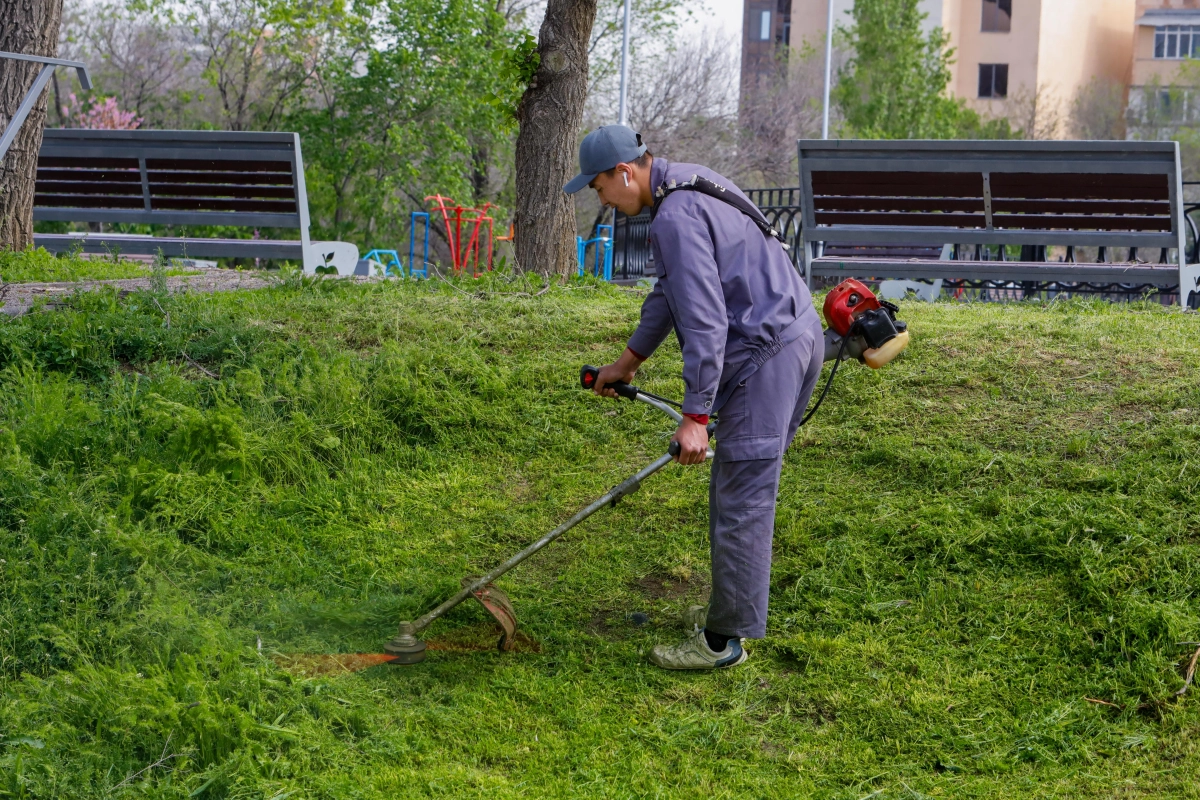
column 417, row 99
column 394, row 99
column 895, row 86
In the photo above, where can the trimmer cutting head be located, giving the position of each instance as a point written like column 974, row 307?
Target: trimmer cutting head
column 405, row 647
column 408, row 649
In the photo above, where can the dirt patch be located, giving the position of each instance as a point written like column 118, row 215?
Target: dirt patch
column 18, row 298
column 663, row 586
column 600, row 626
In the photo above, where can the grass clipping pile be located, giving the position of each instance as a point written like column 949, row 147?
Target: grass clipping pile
column 984, row 581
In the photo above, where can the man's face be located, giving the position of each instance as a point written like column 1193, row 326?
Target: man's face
column 614, row 191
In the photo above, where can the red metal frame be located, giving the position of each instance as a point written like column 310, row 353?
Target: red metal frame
column 454, row 213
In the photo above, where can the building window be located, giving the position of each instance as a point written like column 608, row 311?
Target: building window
column 764, row 26
column 997, row 16
column 1177, row 41
column 1165, row 106
column 993, row 80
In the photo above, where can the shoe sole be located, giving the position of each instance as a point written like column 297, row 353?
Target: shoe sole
column 740, row 658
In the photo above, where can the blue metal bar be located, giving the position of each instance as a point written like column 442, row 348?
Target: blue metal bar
column 395, row 264
column 412, row 244
column 602, row 254
column 604, row 240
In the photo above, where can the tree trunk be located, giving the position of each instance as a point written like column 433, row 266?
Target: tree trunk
column 30, row 27
column 550, row 114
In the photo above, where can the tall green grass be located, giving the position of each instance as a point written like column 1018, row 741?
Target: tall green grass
column 971, row 543
column 42, row 266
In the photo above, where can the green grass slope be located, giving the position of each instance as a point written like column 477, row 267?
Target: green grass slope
column 971, row 543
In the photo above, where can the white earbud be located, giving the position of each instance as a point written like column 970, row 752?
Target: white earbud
column 625, row 175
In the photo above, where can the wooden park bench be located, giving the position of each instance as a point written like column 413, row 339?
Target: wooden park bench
column 862, row 201
column 180, row 178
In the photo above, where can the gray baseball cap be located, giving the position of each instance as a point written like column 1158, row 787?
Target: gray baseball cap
column 603, row 149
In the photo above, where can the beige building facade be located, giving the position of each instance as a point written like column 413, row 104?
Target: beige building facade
column 1051, row 48
column 1167, row 32
column 1006, row 52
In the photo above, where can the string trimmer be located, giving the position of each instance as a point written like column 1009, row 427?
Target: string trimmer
column 860, row 326
column 408, row 649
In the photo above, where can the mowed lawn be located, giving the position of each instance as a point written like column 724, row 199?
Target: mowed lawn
column 985, row 579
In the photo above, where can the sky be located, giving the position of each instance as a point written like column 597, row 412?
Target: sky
column 718, row 15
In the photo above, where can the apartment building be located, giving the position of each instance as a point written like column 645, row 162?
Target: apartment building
column 1003, row 49
column 1020, row 48
column 1167, row 32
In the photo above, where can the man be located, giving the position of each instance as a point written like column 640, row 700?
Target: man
column 752, row 350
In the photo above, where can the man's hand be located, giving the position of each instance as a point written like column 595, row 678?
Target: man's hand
column 623, row 369
column 693, row 442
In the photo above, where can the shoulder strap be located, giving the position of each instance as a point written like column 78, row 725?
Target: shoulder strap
column 719, row 192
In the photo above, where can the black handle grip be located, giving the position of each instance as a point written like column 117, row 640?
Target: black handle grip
column 589, row 374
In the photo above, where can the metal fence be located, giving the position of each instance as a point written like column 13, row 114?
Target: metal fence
column 632, row 258
column 631, row 247
column 781, row 207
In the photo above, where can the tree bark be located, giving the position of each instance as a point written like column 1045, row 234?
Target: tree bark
column 30, row 27
column 550, row 114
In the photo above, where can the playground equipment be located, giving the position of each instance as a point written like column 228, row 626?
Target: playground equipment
column 412, row 244
column 459, row 221
column 388, row 267
column 602, row 251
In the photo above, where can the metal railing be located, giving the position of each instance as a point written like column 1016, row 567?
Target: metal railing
column 35, row 91
column 786, row 197
column 631, row 247
column 632, row 257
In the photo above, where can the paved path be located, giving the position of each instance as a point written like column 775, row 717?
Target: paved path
column 17, row 298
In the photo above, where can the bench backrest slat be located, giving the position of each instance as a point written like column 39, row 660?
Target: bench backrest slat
column 1014, row 192
column 865, row 200
column 171, row 177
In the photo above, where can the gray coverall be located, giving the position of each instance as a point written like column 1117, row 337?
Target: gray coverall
column 752, row 350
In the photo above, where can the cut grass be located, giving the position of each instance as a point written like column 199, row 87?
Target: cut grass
column 971, row 543
column 40, row 266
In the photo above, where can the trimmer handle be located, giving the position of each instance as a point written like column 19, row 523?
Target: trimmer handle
column 589, row 374
column 673, row 448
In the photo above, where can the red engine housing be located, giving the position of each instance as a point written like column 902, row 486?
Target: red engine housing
column 845, row 302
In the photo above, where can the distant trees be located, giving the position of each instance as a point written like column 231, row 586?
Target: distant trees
column 394, row 99
column 1098, row 111
column 895, row 83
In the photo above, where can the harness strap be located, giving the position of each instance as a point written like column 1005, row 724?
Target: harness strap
column 715, row 190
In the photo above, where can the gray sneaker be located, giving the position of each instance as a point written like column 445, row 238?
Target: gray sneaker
column 695, row 617
column 694, row 653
